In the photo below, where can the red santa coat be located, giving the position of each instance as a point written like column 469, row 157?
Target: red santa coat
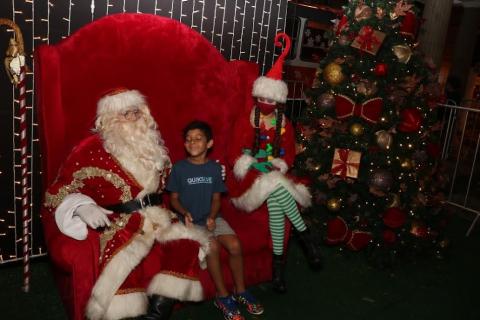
column 133, row 262
column 249, row 188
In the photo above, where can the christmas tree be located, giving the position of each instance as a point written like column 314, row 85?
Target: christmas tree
column 368, row 139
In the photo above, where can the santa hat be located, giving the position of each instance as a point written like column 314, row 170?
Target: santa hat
column 271, row 85
column 119, row 100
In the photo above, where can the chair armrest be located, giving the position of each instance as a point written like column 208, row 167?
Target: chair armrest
column 69, row 254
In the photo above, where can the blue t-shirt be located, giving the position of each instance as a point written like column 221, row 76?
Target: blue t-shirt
column 195, row 184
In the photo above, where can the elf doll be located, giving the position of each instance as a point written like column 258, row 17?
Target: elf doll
column 261, row 153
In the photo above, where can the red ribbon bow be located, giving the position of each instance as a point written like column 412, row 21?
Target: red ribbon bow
column 341, row 165
column 367, row 38
column 369, row 110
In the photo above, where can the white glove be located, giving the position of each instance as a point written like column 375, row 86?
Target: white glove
column 94, row 216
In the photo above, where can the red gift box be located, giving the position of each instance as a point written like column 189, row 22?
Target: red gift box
column 346, row 163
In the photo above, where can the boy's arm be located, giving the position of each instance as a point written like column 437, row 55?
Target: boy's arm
column 175, row 202
column 214, row 209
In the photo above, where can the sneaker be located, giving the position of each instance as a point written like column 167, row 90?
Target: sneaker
column 249, row 301
column 229, row 308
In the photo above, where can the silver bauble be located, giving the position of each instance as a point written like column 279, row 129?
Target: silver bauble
column 381, row 179
column 384, row 139
column 326, row 100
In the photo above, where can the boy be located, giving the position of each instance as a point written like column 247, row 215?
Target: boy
column 196, row 184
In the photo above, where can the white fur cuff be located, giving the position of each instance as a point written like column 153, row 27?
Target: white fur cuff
column 242, row 165
column 280, row 164
column 171, row 286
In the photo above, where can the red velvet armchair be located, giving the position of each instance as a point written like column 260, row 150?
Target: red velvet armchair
column 184, row 78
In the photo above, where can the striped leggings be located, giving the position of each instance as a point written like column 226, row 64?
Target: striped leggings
column 280, row 203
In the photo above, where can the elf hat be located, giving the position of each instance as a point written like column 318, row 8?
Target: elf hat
column 271, row 85
column 119, row 100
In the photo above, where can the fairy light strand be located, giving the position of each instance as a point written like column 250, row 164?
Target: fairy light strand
column 232, row 45
column 265, row 51
column 241, row 33
column 260, row 34
column 253, row 31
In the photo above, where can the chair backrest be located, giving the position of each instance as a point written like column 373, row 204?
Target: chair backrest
column 183, row 76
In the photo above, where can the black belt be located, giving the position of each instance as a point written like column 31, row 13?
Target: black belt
column 152, row 199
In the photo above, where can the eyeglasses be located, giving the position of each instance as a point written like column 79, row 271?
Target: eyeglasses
column 131, row 114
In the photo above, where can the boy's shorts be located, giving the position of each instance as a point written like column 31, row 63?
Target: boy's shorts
column 222, row 228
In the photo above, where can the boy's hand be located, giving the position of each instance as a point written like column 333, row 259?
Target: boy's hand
column 211, row 225
column 188, row 220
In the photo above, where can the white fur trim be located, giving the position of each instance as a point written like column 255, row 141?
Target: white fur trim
column 264, row 185
column 127, row 306
column 174, row 287
column 242, row 164
column 269, row 88
column 280, row 164
column 116, row 271
column 180, row 231
column 119, row 102
column 68, row 223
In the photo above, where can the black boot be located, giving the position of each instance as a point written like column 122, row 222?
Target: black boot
column 159, row 308
column 311, row 249
column 278, row 268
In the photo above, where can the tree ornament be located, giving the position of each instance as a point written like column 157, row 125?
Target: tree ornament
column 344, row 40
column 334, row 204
column 381, row 69
column 406, row 164
column 357, row 129
column 393, row 200
column 381, row 179
column 389, row 236
column 368, row 40
column 411, row 120
column 333, row 74
column 401, row 8
column 380, row 13
column 326, row 100
column 403, row 53
column 362, row 12
column 394, row 218
column 384, row 139
column 418, row 229
column 366, row 87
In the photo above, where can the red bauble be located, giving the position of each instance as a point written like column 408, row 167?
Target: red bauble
column 337, row 231
column 411, row 120
column 358, row 240
column 381, row 69
column 389, row 236
column 394, row 218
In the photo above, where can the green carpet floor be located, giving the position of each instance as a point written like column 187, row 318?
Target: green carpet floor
column 347, row 288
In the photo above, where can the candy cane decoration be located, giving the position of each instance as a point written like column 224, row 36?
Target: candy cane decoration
column 14, row 63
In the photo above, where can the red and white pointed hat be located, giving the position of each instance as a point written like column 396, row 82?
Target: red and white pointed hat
column 271, row 86
column 119, row 100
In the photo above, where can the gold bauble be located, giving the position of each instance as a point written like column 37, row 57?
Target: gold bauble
column 357, row 129
column 384, row 139
column 333, row 74
column 403, row 52
column 334, row 204
column 406, row 164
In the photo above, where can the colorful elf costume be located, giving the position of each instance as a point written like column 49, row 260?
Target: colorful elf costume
column 262, row 151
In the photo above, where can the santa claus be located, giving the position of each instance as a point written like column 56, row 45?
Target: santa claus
column 111, row 183
column 261, row 153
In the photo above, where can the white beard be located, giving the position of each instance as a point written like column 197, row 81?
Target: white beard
column 139, row 148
